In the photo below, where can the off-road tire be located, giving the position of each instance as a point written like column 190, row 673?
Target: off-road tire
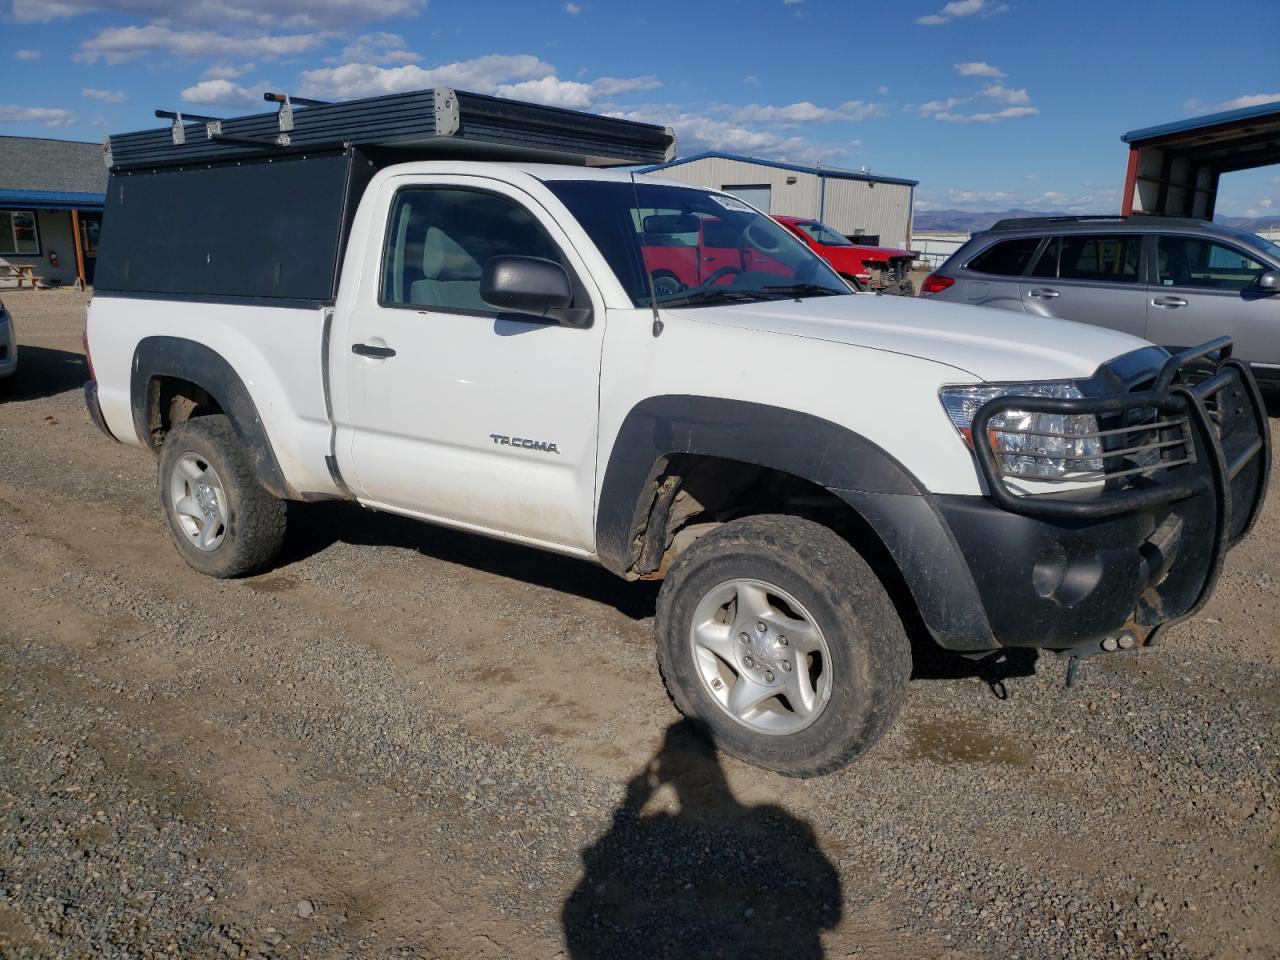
column 255, row 519
column 870, row 653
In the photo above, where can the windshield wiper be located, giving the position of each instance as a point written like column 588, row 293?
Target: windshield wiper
column 711, row 296
column 799, row 290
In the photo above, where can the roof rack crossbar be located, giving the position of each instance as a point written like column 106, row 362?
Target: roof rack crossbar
column 184, row 117
column 300, row 101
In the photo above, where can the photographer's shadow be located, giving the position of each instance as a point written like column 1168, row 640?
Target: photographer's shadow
column 715, row 879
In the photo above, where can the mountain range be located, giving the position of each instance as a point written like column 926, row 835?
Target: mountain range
column 969, row 221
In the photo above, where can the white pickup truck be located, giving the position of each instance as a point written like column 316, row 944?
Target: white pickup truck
column 810, row 471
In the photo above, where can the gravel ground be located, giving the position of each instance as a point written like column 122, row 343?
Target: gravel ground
column 409, row 742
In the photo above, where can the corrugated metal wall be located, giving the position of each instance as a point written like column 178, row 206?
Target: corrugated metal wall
column 799, row 199
column 850, row 205
column 875, row 208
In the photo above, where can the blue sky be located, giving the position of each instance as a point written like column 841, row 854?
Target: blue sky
column 989, row 104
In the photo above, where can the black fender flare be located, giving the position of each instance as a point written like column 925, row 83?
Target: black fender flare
column 194, row 362
column 879, row 488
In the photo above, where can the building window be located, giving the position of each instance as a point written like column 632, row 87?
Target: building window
column 18, row 233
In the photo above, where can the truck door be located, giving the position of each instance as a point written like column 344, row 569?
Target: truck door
column 720, row 246
column 448, row 408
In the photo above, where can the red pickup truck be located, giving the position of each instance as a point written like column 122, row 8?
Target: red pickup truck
column 883, row 269
column 685, row 251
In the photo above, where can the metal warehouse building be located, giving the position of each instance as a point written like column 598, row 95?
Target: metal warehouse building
column 856, row 204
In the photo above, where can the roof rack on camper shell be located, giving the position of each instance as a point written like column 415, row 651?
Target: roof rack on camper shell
column 1031, row 223
column 421, row 123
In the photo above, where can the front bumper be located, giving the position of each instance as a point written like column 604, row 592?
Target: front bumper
column 1144, row 550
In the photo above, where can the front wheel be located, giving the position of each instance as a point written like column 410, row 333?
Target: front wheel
column 778, row 635
column 220, row 518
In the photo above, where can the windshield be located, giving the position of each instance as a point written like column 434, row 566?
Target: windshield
column 696, row 247
column 823, row 234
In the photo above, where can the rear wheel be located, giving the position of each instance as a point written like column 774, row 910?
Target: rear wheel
column 666, row 284
column 220, row 518
column 778, row 635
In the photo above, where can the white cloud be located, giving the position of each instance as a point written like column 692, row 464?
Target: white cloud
column 1239, row 103
column 998, row 91
column 791, row 3
column 572, row 9
column 381, row 48
column 227, row 71
column 27, row 54
column 805, row 112
column 882, row 91
column 1008, row 113
column 962, row 8
column 1265, row 203
column 121, row 44
column 933, row 107
column 105, row 96
column 482, row 75
column 979, row 68
column 696, row 132
column 45, row 116
column 751, row 81
column 290, row 14
column 224, row 93
column 521, row 77
column 1098, row 200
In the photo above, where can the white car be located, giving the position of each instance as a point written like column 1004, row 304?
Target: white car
column 8, row 350
column 481, row 345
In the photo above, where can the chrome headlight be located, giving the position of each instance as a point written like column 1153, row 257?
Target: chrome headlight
column 1037, row 446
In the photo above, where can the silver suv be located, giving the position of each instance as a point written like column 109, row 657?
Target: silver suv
column 1175, row 282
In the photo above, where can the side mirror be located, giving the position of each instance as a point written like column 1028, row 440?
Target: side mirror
column 527, row 285
column 1269, row 281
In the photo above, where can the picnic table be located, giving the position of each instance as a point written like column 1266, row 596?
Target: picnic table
column 24, row 272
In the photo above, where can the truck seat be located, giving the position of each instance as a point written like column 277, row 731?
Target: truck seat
column 451, row 276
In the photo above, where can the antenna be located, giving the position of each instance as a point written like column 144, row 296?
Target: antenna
column 644, row 267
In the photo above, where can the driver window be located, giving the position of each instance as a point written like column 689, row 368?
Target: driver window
column 1203, row 264
column 439, row 240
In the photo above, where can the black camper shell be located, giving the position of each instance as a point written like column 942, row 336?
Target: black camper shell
column 260, row 206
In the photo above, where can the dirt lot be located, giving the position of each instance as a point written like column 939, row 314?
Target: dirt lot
column 407, row 742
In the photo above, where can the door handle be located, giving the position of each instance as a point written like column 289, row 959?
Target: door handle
column 371, row 351
column 1169, row 302
column 1043, row 293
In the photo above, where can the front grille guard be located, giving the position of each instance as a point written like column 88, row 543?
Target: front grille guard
column 1203, row 419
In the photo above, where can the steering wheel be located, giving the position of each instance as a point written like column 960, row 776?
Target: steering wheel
column 717, row 274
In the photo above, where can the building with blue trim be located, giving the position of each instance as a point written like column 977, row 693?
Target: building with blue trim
column 51, row 197
column 861, row 204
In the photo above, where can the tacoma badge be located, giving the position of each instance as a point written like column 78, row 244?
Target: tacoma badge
column 504, row 441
